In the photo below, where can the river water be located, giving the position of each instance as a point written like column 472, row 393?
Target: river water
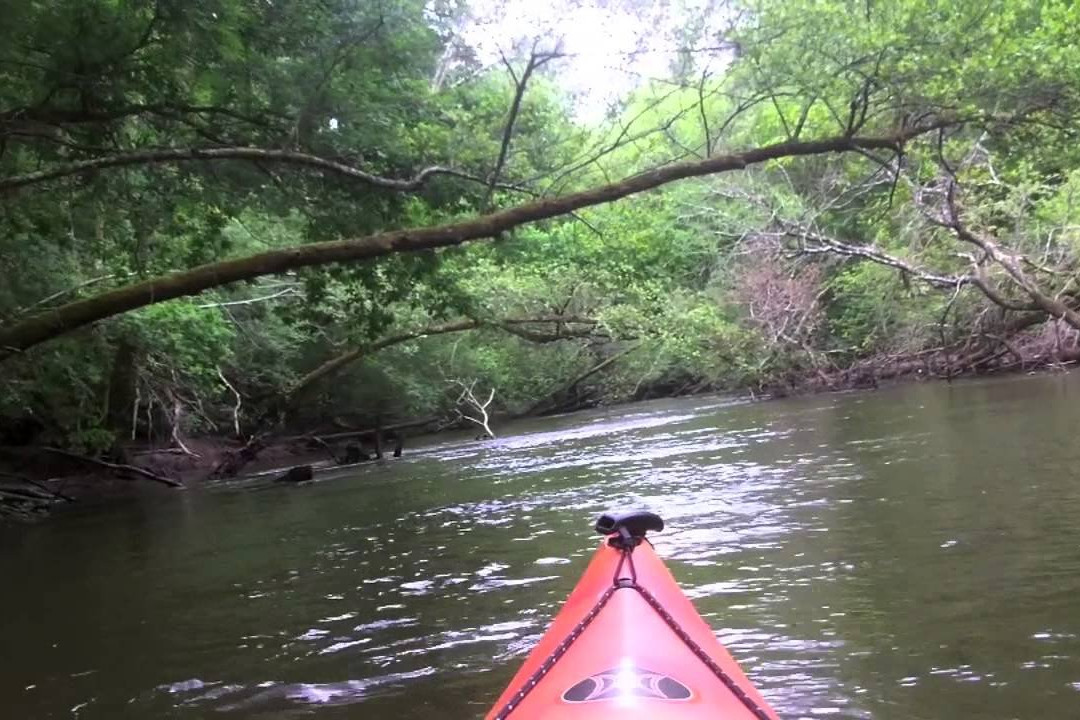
column 907, row 553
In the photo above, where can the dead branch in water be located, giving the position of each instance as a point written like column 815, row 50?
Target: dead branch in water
column 239, row 402
column 468, row 398
column 118, row 469
column 52, row 494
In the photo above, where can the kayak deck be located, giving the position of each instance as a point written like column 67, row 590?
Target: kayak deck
column 628, row 639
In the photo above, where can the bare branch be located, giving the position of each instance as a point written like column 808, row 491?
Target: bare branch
column 535, row 61
column 825, row 244
column 251, row 301
column 468, row 398
column 510, row 325
column 177, row 417
column 254, row 154
column 560, row 332
column 337, row 363
column 67, row 291
column 704, row 114
column 239, row 401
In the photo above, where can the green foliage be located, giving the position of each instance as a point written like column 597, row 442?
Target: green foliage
column 873, row 311
column 61, row 385
column 387, row 87
column 181, row 343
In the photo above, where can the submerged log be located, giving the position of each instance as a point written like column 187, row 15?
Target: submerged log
column 354, row 454
column 407, row 425
column 233, row 463
column 298, row 474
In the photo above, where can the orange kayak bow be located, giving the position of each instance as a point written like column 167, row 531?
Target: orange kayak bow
column 628, row 639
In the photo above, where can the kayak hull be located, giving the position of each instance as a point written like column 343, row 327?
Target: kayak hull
column 646, row 653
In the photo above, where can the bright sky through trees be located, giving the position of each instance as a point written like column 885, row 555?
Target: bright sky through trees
column 611, row 47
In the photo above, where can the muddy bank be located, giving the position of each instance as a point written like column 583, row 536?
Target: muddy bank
column 984, row 360
column 35, row 482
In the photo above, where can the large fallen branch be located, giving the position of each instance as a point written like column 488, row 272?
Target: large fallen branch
column 338, row 362
column 551, row 399
column 57, row 321
column 514, row 326
column 349, row 434
column 1011, row 262
column 120, row 470
column 48, row 492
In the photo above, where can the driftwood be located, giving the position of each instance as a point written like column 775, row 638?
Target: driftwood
column 23, row 504
column 160, row 451
column 54, row 494
column 469, row 399
column 314, row 440
column 1012, row 346
column 127, row 472
column 23, row 493
column 354, row 453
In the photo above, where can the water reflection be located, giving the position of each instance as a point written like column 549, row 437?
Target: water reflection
column 899, row 554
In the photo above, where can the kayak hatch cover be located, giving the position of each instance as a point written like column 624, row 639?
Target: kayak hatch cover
column 629, row 641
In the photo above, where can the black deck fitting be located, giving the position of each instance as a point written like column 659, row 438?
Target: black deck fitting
column 628, row 527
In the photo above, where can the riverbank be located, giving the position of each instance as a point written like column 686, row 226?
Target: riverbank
column 34, row 483
column 1000, row 358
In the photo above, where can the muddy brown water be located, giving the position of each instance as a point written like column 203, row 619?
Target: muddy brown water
column 908, row 553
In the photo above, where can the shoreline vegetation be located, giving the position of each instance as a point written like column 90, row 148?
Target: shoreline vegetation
column 231, row 233
column 36, row 481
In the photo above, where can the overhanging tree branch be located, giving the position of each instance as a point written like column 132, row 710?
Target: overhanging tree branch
column 84, row 116
column 819, row 243
column 254, row 154
column 44, row 326
column 952, row 218
column 813, row 243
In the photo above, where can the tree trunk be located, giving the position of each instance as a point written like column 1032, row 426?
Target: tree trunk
column 120, row 400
